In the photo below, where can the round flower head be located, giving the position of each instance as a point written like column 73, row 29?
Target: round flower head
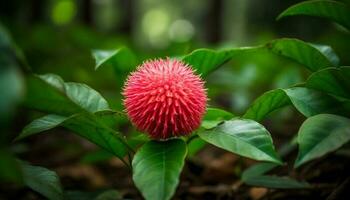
column 165, row 99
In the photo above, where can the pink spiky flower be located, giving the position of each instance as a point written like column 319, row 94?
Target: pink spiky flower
column 165, row 99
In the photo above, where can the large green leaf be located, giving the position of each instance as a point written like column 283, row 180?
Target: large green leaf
column 301, row 52
column 334, row 81
column 205, row 61
column 214, row 116
column 85, row 97
column 267, row 103
column 309, row 102
column 90, row 126
column 243, row 137
column 333, row 10
column 321, row 134
column 44, row 123
column 157, row 167
column 76, row 107
column 49, row 93
column 43, row 181
column 121, row 59
column 275, row 182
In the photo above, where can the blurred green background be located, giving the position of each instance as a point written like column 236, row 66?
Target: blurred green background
column 57, row 36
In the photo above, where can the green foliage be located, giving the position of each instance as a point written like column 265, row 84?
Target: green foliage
column 43, row 181
column 321, row 134
column 333, row 10
column 304, row 53
column 157, row 166
column 307, row 101
column 335, row 81
column 195, row 145
column 215, row 116
column 243, row 137
column 49, row 93
column 90, row 126
column 76, row 107
column 44, row 123
column 121, row 59
column 205, row 61
column 328, row 52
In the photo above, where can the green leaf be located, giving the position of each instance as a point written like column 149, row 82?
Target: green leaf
column 262, row 168
column 102, row 56
column 157, row 167
column 94, row 130
column 328, row 52
column 275, row 182
column 87, row 112
column 85, row 97
column 214, row 116
column 194, row 146
column 321, row 134
column 333, row 10
column 309, row 102
column 257, row 170
column 267, row 103
column 300, row 52
column 205, row 61
column 44, row 123
column 49, row 93
column 43, row 181
column 334, row 81
column 121, row 59
column 243, row 137
column 90, row 126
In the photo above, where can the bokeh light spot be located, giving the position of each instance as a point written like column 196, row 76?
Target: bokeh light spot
column 63, row 12
column 155, row 24
column 181, row 31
